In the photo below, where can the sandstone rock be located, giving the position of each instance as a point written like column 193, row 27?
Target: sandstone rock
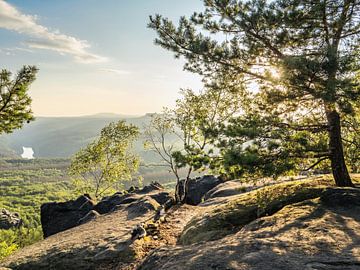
column 228, row 188
column 141, row 207
column 341, row 198
column 197, row 188
column 9, row 220
column 109, row 203
column 305, row 226
column 133, row 194
column 309, row 235
column 153, row 186
column 226, row 214
column 161, row 197
column 89, row 216
column 103, row 243
column 57, row 217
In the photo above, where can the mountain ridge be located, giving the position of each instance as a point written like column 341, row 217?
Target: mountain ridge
column 61, row 137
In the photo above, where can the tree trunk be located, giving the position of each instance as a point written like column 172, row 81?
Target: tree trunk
column 338, row 166
column 177, row 192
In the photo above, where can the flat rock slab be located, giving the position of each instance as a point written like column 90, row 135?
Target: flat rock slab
column 101, row 242
column 310, row 235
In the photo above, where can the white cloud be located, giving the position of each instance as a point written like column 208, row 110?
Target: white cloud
column 43, row 38
column 11, row 51
column 116, row 71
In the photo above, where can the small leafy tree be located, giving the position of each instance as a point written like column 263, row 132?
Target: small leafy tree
column 14, row 99
column 197, row 115
column 157, row 134
column 107, row 161
column 162, row 137
column 194, row 121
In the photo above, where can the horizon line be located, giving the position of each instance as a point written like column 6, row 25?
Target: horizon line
column 95, row 114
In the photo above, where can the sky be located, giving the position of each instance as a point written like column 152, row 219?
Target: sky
column 94, row 56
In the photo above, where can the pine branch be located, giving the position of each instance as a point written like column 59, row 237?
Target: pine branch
column 316, row 163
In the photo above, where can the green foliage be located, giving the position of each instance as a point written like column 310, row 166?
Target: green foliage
column 300, row 61
column 351, row 140
column 12, row 240
column 25, row 186
column 198, row 117
column 159, row 138
column 194, row 122
column 6, row 249
column 107, row 161
column 14, row 100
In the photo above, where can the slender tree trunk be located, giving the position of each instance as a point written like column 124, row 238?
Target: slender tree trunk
column 186, row 185
column 338, row 166
column 177, row 192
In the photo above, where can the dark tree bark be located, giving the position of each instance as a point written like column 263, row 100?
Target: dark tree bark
column 338, row 166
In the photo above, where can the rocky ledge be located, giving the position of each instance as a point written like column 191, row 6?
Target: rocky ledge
column 57, row 217
column 302, row 224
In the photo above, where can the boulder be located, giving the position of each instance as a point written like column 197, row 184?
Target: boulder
column 9, row 220
column 107, row 204
column 57, row 217
column 197, row 188
column 154, row 190
column 162, row 197
column 154, row 186
column 141, row 207
column 89, row 217
column 226, row 189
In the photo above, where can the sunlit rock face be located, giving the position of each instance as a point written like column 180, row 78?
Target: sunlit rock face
column 28, row 153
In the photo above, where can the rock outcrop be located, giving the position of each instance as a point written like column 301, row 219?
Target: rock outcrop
column 303, row 224
column 9, row 220
column 58, row 217
column 92, row 215
column 95, row 241
column 228, row 188
column 224, row 215
column 196, row 188
column 316, row 234
column 154, row 190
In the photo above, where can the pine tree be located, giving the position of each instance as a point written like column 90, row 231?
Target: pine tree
column 302, row 57
column 15, row 102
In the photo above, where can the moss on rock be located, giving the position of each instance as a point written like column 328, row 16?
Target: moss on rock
column 241, row 210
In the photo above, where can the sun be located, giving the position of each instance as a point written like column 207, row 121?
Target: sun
column 274, row 72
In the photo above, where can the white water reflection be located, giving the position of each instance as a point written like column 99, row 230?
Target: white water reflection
column 28, row 153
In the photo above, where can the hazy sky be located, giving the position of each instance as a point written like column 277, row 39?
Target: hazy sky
column 94, row 56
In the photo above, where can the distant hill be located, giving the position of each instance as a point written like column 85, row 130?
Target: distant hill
column 61, row 137
column 5, row 149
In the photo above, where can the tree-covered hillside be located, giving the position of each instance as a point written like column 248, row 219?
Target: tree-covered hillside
column 25, row 185
column 52, row 137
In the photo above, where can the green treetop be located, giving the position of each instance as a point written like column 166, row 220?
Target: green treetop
column 106, row 162
column 14, row 99
column 301, row 59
